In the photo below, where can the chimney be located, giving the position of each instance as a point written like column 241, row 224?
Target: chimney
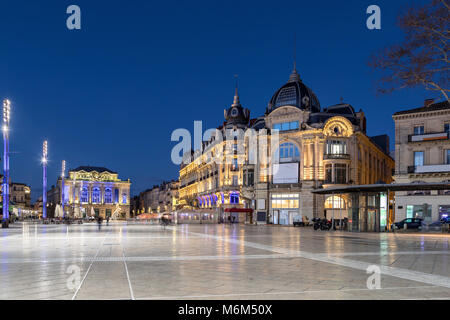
column 428, row 102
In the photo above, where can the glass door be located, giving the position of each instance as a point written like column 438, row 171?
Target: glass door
column 276, row 214
column 284, row 217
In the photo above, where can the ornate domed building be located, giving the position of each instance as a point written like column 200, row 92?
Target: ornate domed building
column 294, row 93
column 310, row 147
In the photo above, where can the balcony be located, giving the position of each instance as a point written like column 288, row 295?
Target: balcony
column 428, row 137
column 436, row 168
column 336, row 157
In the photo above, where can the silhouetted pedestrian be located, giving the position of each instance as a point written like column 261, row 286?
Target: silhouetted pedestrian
column 99, row 221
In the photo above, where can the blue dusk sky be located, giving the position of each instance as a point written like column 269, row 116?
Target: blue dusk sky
column 111, row 93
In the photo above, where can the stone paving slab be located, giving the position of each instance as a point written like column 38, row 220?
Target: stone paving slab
column 218, row 262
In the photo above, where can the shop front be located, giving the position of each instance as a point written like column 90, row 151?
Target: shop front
column 372, row 208
column 204, row 216
column 239, row 215
column 285, row 207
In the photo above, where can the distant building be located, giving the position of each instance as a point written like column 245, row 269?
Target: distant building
column 95, row 191
column 20, row 195
column 159, row 199
column 422, row 154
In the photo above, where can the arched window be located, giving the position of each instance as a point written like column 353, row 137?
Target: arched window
column 289, row 152
column 124, row 198
column 334, row 202
column 96, row 195
column 84, row 195
column 108, row 195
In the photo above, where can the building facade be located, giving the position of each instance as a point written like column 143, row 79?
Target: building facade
column 93, row 191
column 21, row 195
column 211, row 178
column 299, row 147
column 422, row 153
column 159, row 199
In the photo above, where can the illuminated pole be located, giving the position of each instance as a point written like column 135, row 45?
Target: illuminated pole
column 63, row 173
column 6, row 117
column 44, row 180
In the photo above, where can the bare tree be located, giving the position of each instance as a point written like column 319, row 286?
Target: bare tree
column 423, row 57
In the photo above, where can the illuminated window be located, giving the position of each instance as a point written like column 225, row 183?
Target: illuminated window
column 124, row 198
column 108, row 195
column 234, row 198
column 335, row 202
column 116, row 195
column 84, row 195
column 336, row 147
column 286, row 126
column 285, row 201
column 289, row 152
column 235, row 164
column 96, row 195
column 418, row 158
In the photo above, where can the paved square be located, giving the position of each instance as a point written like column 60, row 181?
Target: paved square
column 135, row 261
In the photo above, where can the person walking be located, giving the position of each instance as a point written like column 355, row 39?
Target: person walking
column 99, row 221
column 107, row 220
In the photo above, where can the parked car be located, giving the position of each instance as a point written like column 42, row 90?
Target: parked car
column 411, row 223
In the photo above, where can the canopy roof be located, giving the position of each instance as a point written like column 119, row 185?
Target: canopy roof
column 385, row 187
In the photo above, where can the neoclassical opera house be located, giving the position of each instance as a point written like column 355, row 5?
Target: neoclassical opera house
column 96, row 191
column 316, row 148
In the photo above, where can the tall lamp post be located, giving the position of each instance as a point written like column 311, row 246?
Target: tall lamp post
column 63, row 173
column 44, row 180
column 6, row 117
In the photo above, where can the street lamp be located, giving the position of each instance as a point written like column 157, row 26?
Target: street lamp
column 63, row 173
column 44, row 179
column 5, row 128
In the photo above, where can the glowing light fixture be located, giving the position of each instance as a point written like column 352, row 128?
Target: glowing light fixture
column 5, row 127
column 44, row 179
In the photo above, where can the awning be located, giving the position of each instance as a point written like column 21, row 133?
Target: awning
column 147, row 216
column 239, row 210
column 416, row 186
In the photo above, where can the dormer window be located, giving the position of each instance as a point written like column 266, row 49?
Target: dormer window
column 286, row 126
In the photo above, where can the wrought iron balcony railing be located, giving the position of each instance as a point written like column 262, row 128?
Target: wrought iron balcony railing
column 328, row 156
